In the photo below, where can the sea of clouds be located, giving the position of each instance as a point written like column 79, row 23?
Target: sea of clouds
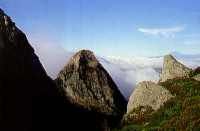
column 126, row 72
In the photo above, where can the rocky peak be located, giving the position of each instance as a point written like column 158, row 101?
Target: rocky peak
column 29, row 99
column 148, row 93
column 169, row 57
column 8, row 27
column 84, row 57
column 87, row 84
column 173, row 69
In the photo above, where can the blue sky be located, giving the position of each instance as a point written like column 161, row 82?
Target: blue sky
column 122, row 28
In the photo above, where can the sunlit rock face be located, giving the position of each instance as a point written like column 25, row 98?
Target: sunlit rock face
column 87, row 84
column 173, row 69
column 149, row 94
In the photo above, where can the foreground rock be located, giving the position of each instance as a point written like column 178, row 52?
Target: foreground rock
column 28, row 97
column 173, row 69
column 87, row 84
column 148, row 94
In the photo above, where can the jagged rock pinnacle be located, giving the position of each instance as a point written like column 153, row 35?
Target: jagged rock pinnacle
column 87, row 84
column 173, row 69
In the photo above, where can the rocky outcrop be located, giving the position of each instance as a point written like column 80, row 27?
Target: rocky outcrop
column 173, row 69
column 148, row 94
column 87, row 84
column 29, row 99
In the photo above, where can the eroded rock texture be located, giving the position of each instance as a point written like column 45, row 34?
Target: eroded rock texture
column 148, row 94
column 87, row 84
column 173, row 69
column 29, row 99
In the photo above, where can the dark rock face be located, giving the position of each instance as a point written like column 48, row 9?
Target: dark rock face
column 27, row 94
column 87, row 84
column 29, row 99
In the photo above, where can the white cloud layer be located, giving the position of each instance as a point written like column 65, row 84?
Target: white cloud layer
column 53, row 57
column 128, row 73
column 164, row 32
column 125, row 72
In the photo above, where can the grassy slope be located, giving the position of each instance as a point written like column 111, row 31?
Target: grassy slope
column 181, row 113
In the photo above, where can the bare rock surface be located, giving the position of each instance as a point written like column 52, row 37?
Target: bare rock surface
column 87, row 84
column 148, row 94
column 29, row 99
column 173, row 69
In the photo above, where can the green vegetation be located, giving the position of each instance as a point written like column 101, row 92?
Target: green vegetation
column 180, row 113
column 139, row 115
